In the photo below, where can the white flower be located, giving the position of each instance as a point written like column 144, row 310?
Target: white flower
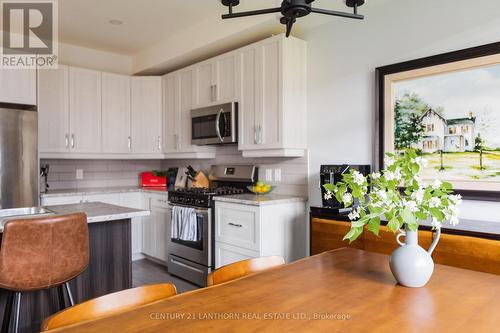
column 389, row 161
column 455, row 199
column 382, row 195
column 422, row 162
column 437, row 184
column 454, row 220
column 347, row 198
column 389, row 175
column 412, row 206
column 418, row 196
column 436, row 223
column 434, row 202
column 354, row 214
column 397, row 173
column 358, row 178
column 328, row 195
column 375, row 175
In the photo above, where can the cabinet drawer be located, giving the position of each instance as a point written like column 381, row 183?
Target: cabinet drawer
column 227, row 254
column 238, row 225
column 159, row 200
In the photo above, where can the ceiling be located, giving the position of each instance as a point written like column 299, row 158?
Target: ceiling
column 148, row 22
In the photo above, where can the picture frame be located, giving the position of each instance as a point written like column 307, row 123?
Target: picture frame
column 454, row 150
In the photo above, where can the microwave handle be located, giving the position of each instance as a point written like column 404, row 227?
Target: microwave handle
column 217, row 127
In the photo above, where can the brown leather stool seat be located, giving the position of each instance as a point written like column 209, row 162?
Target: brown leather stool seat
column 41, row 253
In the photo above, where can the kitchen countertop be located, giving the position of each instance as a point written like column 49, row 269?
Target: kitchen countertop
column 95, row 211
column 102, row 190
column 260, row 200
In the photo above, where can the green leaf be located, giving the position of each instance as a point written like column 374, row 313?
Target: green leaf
column 393, row 224
column 329, row 187
column 353, row 234
column 409, row 219
column 374, row 225
column 437, row 213
column 421, row 215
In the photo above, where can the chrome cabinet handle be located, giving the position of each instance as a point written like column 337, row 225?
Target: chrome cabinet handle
column 217, row 127
column 260, row 134
column 215, row 93
column 67, row 140
column 211, row 93
column 159, row 142
column 72, row 141
column 235, row 225
column 255, row 135
column 129, row 143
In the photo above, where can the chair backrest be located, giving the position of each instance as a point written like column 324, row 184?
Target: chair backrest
column 41, row 253
column 242, row 268
column 109, row 304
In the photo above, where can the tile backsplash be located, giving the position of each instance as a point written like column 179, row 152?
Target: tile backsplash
column 115, row 173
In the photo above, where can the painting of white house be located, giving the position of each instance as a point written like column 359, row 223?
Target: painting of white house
column 453, row 120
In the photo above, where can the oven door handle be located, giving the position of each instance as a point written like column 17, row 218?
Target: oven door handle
column 197, row 211
column 217, row 126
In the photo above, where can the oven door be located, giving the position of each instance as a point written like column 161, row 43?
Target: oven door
column 214, row 125
column 199, row 252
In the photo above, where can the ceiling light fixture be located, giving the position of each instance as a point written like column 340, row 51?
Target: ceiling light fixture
column 293, row 9
column 116, row 22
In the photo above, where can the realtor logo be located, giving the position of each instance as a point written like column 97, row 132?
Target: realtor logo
column 29, row 34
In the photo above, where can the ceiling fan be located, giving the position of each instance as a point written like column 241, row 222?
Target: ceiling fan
column 292, row 9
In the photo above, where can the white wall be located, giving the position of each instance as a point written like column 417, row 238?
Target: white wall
column 342, row 59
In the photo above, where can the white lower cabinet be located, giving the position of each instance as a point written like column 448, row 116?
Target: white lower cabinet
column 134, row 200
column 249, row 231
column 156, row 227
column 226, row 254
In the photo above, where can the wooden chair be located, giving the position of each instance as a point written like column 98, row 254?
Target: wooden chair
column 243, row 268
column 109, row 304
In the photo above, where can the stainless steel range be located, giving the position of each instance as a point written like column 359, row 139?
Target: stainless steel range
column 192, row 257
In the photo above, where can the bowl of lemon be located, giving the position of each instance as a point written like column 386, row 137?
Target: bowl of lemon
column 261, row 188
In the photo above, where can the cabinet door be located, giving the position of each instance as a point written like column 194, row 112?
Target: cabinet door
column 147, row 126
column 247, row 108
column 161, row 218
column 134, row 200
column 269, row 95
column 225, row 78
column 171, row 114
column 53, row 110
column 115, row 113
column 204, row 84
column 227, row 254
column 185, row 105
column 148, row 241
column 18, row 86
column 85, row 110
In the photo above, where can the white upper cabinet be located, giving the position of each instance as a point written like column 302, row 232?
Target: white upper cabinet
column 85, row 110
column 215, row 80
column 271, row 88
column 178, row 100
column 146, row 97
column 116, row 137
column 18, row 86
column 53, row 110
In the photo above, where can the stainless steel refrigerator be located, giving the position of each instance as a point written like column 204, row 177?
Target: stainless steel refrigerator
column 19, row 174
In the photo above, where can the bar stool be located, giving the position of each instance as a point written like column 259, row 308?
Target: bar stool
column 41, row 253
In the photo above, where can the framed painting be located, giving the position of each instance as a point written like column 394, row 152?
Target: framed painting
column 447, row 107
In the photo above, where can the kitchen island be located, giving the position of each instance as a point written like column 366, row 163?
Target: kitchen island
column 110, row 262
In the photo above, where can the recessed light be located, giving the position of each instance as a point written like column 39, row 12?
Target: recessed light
column 116, row 22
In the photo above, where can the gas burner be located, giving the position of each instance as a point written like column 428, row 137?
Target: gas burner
column 228, row 190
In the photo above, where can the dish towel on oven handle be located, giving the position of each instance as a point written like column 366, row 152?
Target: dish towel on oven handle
column 184, row 224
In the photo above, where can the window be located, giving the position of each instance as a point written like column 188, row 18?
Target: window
column 452, row 130
column 429, row 128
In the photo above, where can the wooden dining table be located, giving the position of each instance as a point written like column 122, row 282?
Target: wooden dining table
column 345, row 290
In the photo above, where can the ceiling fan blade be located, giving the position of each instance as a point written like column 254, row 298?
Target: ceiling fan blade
column 337, row 13
column 252, row 12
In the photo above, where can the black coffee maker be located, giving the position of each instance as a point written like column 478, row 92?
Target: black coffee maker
column 331, row 174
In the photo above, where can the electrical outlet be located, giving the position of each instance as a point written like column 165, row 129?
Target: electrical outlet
column 269, row 175
column 79, row 174
column 277, row 175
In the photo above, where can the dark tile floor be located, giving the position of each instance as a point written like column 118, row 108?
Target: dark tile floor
column 145, row 271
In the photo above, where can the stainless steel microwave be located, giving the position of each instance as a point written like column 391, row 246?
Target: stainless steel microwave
column 215, row 125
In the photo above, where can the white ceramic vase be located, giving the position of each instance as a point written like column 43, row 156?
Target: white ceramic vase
column 411, row 265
